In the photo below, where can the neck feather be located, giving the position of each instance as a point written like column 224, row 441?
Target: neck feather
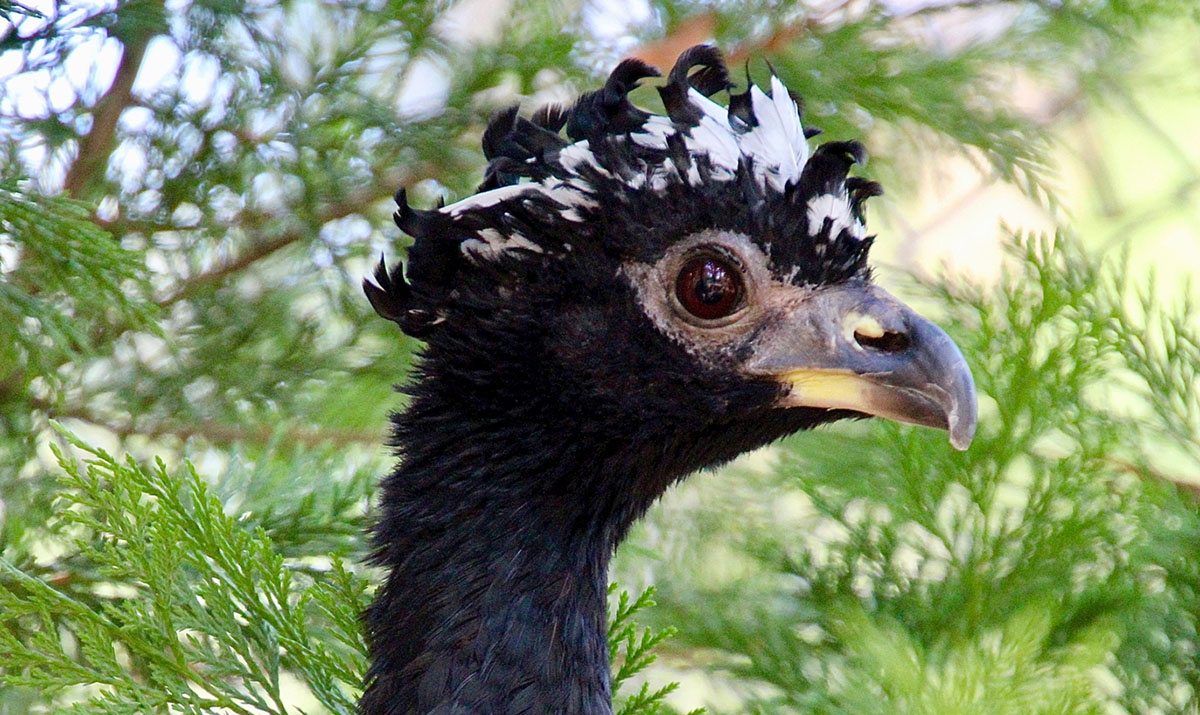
column 497, row 535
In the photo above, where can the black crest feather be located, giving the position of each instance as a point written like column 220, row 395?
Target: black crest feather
column 552, row 117
column 608, row 110
column 741, row 109
column 711, row 78
column 389, row 294
column 828, row 167
column 510, row 142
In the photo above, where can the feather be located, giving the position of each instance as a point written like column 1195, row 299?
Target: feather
column 608, row 109
column 711, row 78
column 389, row 295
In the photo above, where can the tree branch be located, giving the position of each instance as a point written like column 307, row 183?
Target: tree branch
column 97, row 145
column 355, row 203
column 691, row 31
column 702, row 27
column 256, row 253
column 213, row 431
column 1188, row 486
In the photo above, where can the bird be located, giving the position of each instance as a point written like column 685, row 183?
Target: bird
column 628, row 298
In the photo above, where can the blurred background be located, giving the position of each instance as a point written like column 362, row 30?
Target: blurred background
column 192, row 192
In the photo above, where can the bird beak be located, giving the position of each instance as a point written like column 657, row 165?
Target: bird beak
column 855, row 347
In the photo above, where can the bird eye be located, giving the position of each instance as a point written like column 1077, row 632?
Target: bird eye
column 709, row 287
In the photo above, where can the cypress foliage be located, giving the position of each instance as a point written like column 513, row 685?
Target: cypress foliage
column 193, row 392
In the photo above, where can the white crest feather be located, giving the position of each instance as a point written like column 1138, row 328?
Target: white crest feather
column 775, row 146
column 836, row 208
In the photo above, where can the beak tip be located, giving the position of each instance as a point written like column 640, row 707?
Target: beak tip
column 962, row 431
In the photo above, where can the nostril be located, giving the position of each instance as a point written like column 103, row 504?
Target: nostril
column 887, row 342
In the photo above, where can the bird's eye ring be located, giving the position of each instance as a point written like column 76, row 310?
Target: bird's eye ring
column 710, row 287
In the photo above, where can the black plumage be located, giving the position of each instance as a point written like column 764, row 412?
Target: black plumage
column 646, row 297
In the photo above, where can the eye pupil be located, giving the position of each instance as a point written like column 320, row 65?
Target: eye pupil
column 709, row 288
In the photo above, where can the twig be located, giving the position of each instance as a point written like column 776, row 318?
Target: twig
column 213, row 431
column 1189, row 486
column 355, row 203
column 256, row 253
column 97, row 145
column 701, row 28
column 691, row 31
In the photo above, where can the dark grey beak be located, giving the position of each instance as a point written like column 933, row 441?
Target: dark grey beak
column 855, row 347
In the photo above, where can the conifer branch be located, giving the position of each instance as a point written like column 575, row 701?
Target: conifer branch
column 255, row 253
column 359, row 202
column 96, row 146
column 212, row 430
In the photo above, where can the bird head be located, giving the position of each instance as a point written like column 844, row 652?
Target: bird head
column 701, row 273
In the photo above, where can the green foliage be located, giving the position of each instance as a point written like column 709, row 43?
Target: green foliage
column 66, row 276
column 631, row 653
column 197, row 611
column 9, row 9
column 1016, row 669
column 63, row 281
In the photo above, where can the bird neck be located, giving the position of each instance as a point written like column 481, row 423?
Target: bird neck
column 497, row 531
